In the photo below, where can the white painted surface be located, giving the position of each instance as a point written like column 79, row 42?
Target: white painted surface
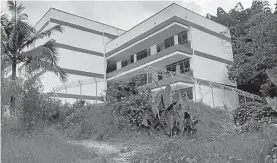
column 207, row 43
column 172, row 10
column 211, row 70
column 118, row 65
column 80, row 39
column 216, row 97
column 85, row 22
column 153, row 49
column 108, row 47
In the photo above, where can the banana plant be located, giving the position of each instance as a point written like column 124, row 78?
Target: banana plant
column 169, row 114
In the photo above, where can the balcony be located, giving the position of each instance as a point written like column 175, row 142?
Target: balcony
column 169, row 78
column 178, row 42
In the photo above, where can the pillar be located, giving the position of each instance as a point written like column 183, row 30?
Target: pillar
column 176, row 39
column 135, row 58
column 118, row 65
column 178, row 70
column 153, row 49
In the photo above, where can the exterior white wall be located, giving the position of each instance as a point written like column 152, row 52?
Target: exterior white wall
column 43, row 20
column 207, row 43
column 79, row 38
column 216, row 97
column 77, row 60
column 57, row 14
column 170, row 11
column 210, row 70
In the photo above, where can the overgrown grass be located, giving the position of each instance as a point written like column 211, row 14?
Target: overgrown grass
column 45, row 146
column 215, row 142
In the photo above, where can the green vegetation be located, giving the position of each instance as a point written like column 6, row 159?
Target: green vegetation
column 254, row 43
column 133, row 119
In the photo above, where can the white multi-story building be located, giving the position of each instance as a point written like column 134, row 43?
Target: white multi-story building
column 175, row 39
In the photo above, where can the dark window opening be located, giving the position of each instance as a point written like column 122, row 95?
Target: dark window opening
column 142, row 79
column 111, row 68
column 183, row 37
column 169, row 42
column 143, row 54
column 160, row 47
column 127, row 61
column 184, row 66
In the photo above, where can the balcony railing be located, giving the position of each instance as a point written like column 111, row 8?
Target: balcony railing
column 160, row 47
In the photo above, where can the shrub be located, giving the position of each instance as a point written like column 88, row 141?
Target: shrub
column 254, row 115
column 167, row 111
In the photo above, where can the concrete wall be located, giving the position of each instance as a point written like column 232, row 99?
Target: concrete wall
column 73, row 58
column 216, row 97
column 214, row 69
column 170, row 11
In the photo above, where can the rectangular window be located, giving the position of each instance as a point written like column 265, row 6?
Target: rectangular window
column 127, row 61
column 169, row 42
column 160, row 76
column 124, row 63
column 142, row 79
column 184, row 66
column 111, row 68
column 183, row 37
column 143, row 54
column 160, row 47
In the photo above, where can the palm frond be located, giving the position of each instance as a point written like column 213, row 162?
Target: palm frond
column 34, row 77
column 40, row 65
column 4, row 19
column 46, row 52
column 41, row 35
column 11, row 5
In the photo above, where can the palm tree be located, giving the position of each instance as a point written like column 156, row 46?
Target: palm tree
column 17, row 38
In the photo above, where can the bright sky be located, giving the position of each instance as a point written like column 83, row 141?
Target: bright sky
column 125, row 14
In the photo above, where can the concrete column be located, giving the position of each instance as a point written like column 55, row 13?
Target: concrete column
column 118, row 65
column 135, row 58
column 176, row 39
column 153, row 49
column 178, row 70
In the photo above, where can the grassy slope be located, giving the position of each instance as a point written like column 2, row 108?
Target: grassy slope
column 41, row 147
column 215, row 143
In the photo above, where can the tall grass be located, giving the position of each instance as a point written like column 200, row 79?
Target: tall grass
column 45, row 146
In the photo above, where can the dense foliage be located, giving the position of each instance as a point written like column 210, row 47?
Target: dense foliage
column 254, row 42
column 254, row 115
column 142, row 110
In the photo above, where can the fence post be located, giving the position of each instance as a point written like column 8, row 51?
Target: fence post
column 212, row 93
column 65, row 93
column 96, row 91
column 244, row 97
column 80, row 90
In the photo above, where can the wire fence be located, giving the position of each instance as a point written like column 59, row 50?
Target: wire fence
column 80, row 84
column 211, row 93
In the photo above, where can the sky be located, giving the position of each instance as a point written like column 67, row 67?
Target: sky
column 124, row 14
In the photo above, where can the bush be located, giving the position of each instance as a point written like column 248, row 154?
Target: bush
column 253, row 115
column 88, row 122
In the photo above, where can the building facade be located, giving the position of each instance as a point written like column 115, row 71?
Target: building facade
column 175, row 40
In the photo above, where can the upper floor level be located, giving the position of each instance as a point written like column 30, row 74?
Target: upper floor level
column 74, row 21
column 158, row 22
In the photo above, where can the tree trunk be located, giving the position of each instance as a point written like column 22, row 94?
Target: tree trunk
column 12, row 97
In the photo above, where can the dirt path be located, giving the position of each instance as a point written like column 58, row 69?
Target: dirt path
column 116, row 153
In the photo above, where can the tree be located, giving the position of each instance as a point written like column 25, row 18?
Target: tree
column 254, row 41
column 17, row 38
